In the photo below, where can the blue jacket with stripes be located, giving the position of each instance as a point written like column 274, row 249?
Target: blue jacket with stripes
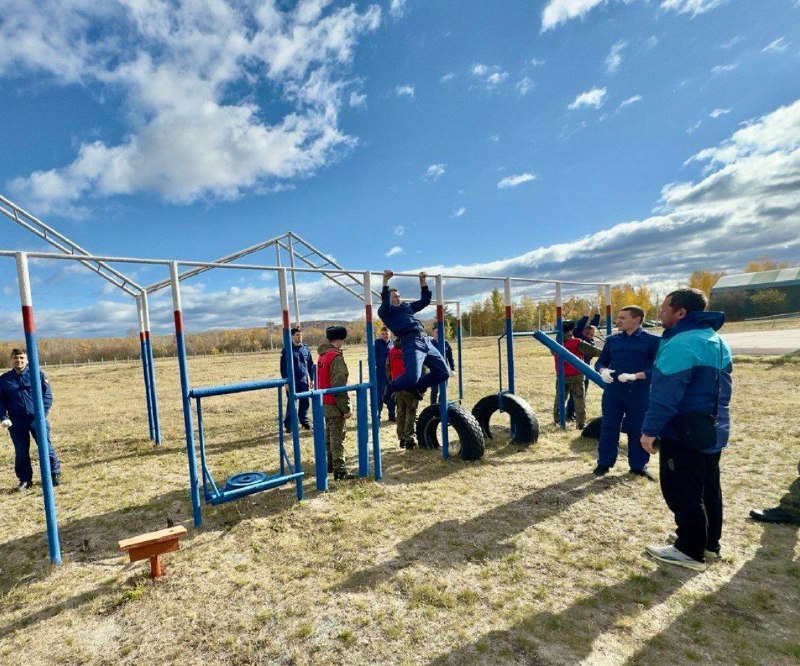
column 692, row 374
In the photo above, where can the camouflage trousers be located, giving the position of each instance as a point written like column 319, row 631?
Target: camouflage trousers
column 790, row 502
column 334, row 437
column 573, row 385
column 406, row 415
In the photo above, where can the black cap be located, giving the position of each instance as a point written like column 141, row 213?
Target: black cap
column 336, row 333
column 567, row 325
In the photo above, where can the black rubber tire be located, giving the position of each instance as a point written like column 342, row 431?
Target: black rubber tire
column 470, row 435
column 592, row 429
column 524, row 423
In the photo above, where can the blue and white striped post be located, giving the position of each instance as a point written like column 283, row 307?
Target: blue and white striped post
column 458, row 351
column 609, row 323
column 373, row 379
column 289, row 356
column 560, row 388
column 180, row 343
column 148, row 343
column 145, row 371
column 509, row 334
column 40, row 420
column 443, row 385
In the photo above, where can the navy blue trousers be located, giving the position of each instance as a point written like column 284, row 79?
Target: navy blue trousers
column 302, row 411
column 21, row 431
column 391, row 403
column 419, row 351
column 628, row 401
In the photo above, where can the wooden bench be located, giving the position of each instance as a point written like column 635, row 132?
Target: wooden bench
column 152, row 545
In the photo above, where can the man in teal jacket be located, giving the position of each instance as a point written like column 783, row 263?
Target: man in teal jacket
column 691, row 376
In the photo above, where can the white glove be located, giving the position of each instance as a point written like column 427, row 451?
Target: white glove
column 606, row 373
column 6, row 423
column 626, row 377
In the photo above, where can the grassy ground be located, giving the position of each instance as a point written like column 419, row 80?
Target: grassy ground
column 521, row 558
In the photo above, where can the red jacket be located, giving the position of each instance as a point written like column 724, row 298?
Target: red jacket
column 324, row 374
column 396, row 367
column 571, row 344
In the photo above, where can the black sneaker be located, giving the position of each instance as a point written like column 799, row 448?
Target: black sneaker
column 646, row 473
column 411, row 444
column 57, row 479
column 343, row 475
column 24, row 485
column 305, row 426
column 402, row 443
column 600, row 470
column 392, row 419
column 774, row 515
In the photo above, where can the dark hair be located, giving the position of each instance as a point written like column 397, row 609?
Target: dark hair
column 635, row 310
column 384, row 328
column 296, row 329
column 391, row 289
column 567, row 326
column 688, row 298
column 18, row 352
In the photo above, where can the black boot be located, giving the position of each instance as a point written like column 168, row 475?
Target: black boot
column 343, row 475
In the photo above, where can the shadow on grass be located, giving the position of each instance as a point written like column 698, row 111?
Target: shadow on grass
column 752, row 619
column 572, row 632
column 450, row 542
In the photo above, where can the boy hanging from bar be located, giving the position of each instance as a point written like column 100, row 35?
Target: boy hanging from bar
column 418, row 349
column 332, row 372
column 407, row 403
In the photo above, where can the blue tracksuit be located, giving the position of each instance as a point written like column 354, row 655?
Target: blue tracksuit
column 381, row 354
column 626, row 353
column 304, row 368
column 448, row 355
column 690, row 359
column 16, row 403
column 418, row 350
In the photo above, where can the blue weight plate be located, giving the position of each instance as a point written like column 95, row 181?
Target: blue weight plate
column 244, row 479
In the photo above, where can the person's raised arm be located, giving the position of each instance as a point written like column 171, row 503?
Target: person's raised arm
column 425, row 295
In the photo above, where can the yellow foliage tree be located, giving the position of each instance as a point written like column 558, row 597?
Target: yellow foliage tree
column 764, row 264
column 704, row 280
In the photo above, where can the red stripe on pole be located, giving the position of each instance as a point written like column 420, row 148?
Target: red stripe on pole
column 440, row 313
column 608, row 309
column 285, row 319
column 508, row 312
column 368, row 308
column 178, row 321
column 27, row 319
column 141, row 336
column 458, row 323
column 147, row 335
column 558, row 311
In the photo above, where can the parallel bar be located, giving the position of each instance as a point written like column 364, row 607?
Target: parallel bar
column 458, row 351
column 374, row 398
column 509, row 335
column 320, row 447
column 565, row 355
column 145, row 371
column 274, row 482
column 241, row 387
column 40, row 419
column 362, row 431
column 292, row 397
column 443, row 386
column 333, row 390
column 151, row 369
column 560, row 386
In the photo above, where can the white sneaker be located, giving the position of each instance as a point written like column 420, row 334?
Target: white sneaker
column 710, row 555
column 671, row 555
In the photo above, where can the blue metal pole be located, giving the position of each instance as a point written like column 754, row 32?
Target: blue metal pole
column 458, row 350
column 560, row 389
column 609, row 323
column 291, row 399
column 151, row 369
column 509, row 336
column 373, row 380
column 40, row 420
column 362, row 429
column 180, row 343
column 320, row 447
column 145, row 372
column 443, row 386
column 568, row 356
column 281, row 449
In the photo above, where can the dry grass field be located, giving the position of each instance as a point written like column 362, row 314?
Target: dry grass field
column 521, row 558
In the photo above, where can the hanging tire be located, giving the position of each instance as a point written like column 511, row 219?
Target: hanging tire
column 470, row 435
column 524, row 424
column 592, row 429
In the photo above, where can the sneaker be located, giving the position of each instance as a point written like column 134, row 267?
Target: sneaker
column 57, row 479
column 646, row 473
column 305, row 426
column 392, row 419
column 710, row 555
column 343, row 475
column 402, row 443
column 287, row 430
column 410, row 444
column 774, row 515
column 24, row 485
column 600, row 470
column 671, row 555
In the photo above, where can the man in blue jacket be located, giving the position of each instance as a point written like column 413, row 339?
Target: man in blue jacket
column 692, row 376
column 383, row 345
column 303, row 364
column 16, row 410
column 626, row 365
column 448, row 356
column 418, row 350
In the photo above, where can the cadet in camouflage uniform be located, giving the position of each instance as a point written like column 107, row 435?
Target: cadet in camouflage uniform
column 788, row 510
column 332, row 372
column 574, row 388
column 407, row 403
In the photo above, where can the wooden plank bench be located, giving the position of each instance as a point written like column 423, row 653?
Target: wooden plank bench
column 152, row 545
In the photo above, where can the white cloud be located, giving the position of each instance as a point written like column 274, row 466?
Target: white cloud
column 186, row 77
column 536, row 62
column 614, row 58
column 716, row 113
column 513, row 181
column 525, row 85
column 358, row 100
column 397, row 8
column 629, row 101
column 434, row 172
column 693, row 7
column 594, row 98
column 399, row 230
column 561, row 11
column 692, row 129
column 651, row 42
column 490, row 75
column 460, row 212
column 447, row 77
column 394, row 250
column 778, row 46
column 494, row 138
column 722, row 69
column 732, row 42
column 404, row 91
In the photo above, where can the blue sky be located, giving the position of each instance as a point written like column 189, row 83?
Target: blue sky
column 612, row 140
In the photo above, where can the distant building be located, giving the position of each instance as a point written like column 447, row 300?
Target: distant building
column 758, row 294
